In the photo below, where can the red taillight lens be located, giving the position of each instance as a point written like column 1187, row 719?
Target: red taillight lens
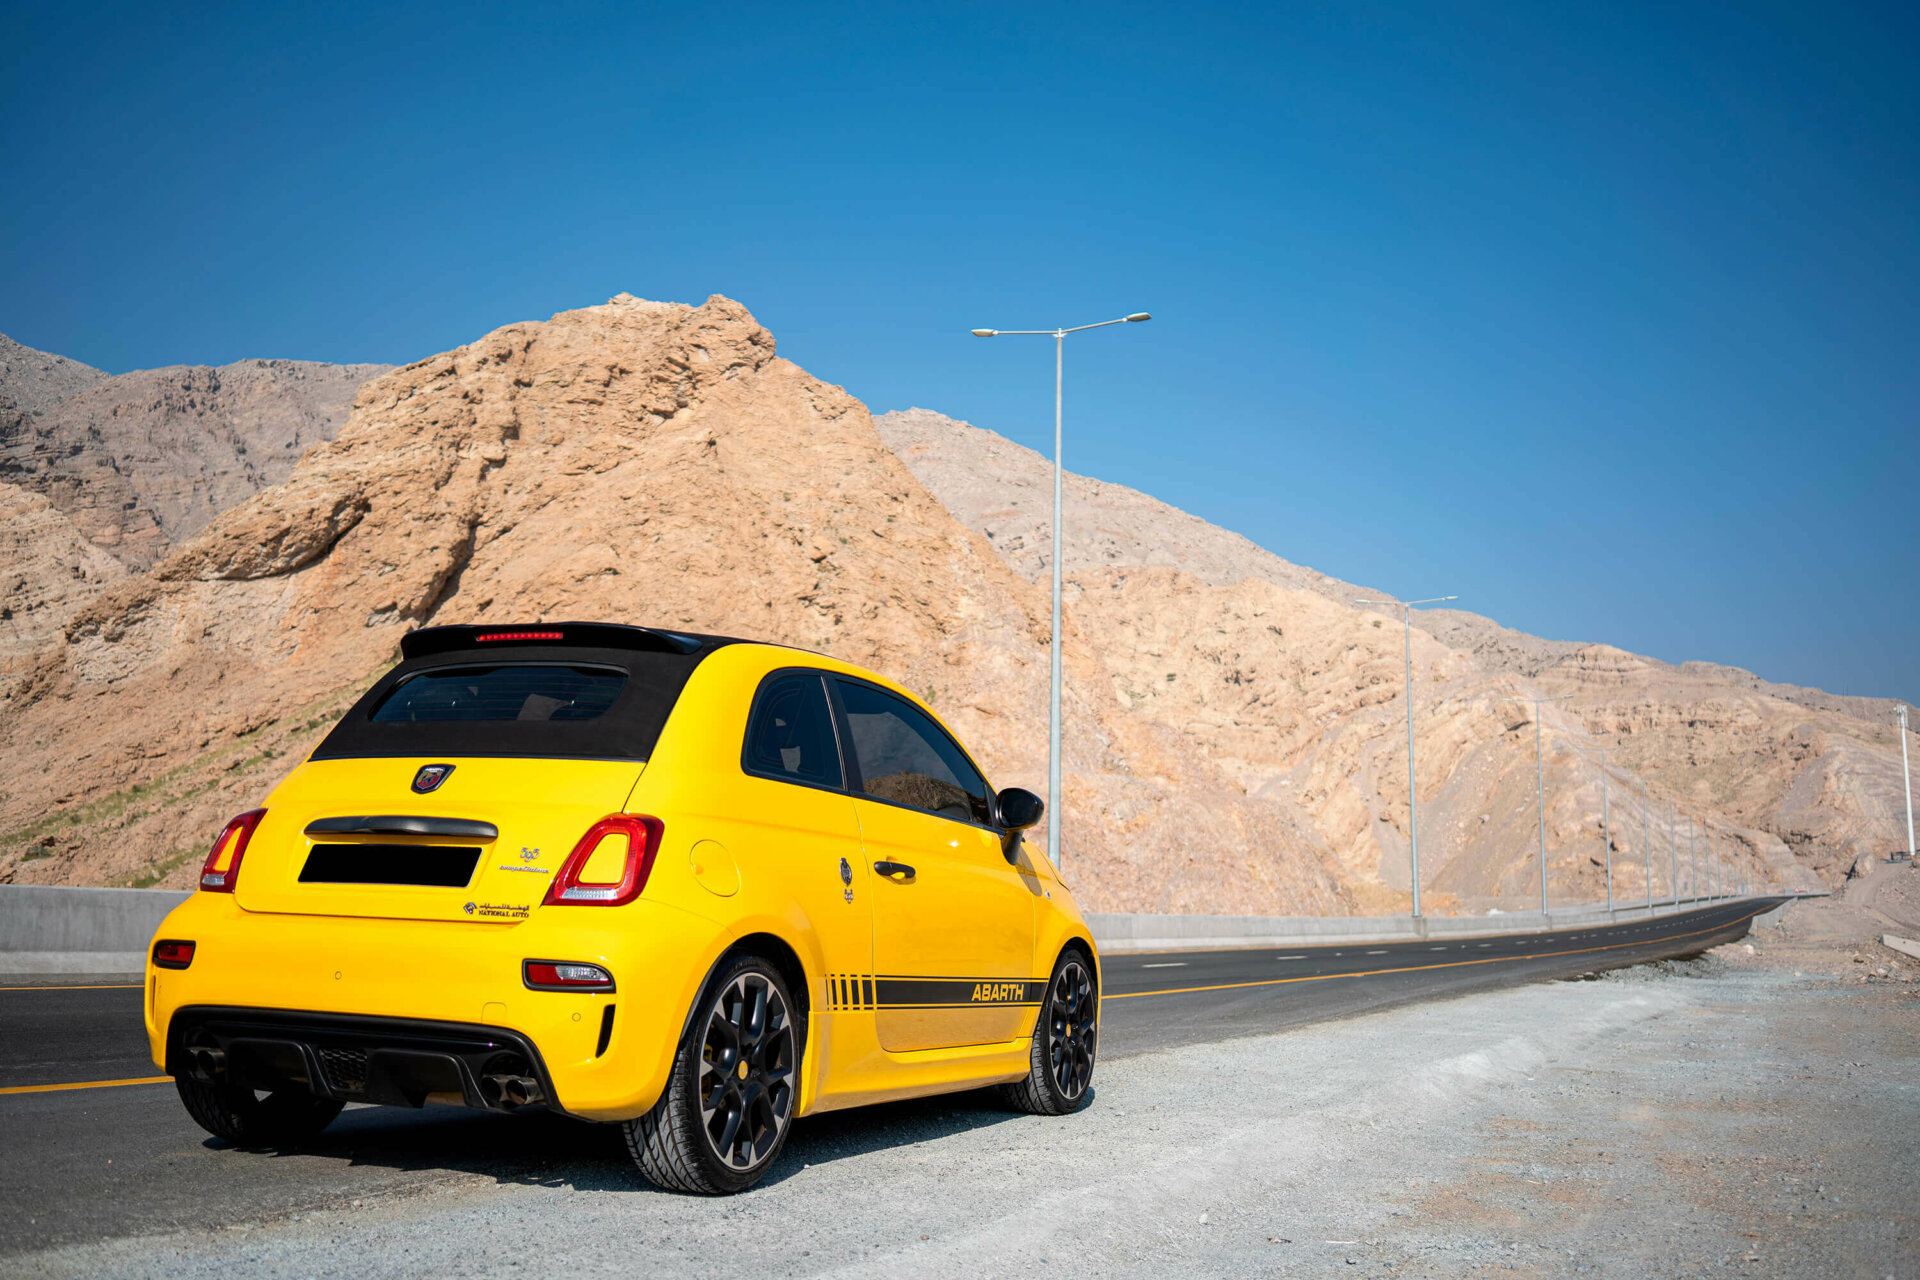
column 223, row 863
column 572, row 887
column 565, row 975
column 172, row 954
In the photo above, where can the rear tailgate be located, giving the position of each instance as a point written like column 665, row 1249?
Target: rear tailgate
column 539, row 808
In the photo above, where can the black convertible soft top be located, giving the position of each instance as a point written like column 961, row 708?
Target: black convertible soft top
column 656, row 664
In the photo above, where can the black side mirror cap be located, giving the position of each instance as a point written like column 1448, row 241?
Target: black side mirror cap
column 1020, row 809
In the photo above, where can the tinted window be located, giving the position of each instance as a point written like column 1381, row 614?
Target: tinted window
column 906, row 758
column 791, row 734
column 531, row 692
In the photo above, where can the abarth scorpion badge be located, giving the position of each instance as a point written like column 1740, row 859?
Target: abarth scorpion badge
column 846, row 878
column 430, row 777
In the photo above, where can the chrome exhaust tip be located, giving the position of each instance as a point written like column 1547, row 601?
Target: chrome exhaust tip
column 208, row 1064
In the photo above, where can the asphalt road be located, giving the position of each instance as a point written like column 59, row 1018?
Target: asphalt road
column 81, row 1164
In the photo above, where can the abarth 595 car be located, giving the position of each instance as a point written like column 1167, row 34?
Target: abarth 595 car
column 691, row 885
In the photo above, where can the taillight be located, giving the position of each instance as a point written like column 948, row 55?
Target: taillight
column 223, row 863
column 610, row 865
column 565, row 975
column 172, row 954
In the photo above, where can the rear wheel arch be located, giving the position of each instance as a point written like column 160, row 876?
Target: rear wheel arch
column 777, row 952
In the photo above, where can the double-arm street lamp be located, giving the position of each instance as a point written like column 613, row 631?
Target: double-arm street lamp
column 1540, row 784
column 1413, row 794
column 1059, row 337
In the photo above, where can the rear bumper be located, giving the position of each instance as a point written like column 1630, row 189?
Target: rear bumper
column 396, row 1061
column 429, row 1004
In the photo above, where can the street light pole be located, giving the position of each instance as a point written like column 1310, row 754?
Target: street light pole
column 1673, row 858
column 1059, row 337
column 1606, row 829
column 1693, row 863
column 1540, row 785
column 1646, row 841
column 1413, row 793
column 1906, row 774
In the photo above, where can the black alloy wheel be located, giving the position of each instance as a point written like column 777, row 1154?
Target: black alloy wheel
column 729, row 1102
column 1066, row 1041
column 746, row 1072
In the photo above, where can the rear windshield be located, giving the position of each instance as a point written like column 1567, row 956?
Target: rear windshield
column 520, row 692
column 577, row 701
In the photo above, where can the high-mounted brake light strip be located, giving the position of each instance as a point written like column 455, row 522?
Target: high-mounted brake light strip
column 519, row 635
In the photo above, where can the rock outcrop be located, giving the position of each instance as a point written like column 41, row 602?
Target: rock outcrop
column 142, row 460
column 1236, row 725
column 1312, row 712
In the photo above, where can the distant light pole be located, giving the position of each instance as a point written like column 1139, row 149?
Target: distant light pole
column 1646, row 841
column 1059, row 337
column 1540, row 785
column 1673, row 858
column 1413, row 793
column 1606, row 828
column 1713, row 877
column 1906, row 774
column 1693, row 863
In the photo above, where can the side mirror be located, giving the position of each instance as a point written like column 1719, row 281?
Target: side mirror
column 1020, row 809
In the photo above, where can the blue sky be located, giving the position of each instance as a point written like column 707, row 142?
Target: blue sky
column 1602, row 317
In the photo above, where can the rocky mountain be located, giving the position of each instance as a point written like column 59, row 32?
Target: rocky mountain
column 142, row 460
column 1235, row 724
column 1770, row 767
column 32, row 381
column 101, row 474
column 638, row 461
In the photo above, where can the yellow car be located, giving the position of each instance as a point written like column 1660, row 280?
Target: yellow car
column 693, row 885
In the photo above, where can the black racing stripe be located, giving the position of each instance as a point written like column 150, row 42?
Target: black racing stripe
column 866, row 993
column 948, row 993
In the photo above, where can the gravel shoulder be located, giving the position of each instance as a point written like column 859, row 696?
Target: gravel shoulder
column 1744, row 1113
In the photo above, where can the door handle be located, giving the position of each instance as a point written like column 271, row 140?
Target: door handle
column 898, row 872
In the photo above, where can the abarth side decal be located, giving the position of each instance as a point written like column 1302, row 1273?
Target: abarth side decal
column 848, row 991
column 956, row 993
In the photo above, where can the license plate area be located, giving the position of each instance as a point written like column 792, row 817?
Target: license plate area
column 433, row 865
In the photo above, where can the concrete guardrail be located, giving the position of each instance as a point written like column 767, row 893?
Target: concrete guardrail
column 56, row 929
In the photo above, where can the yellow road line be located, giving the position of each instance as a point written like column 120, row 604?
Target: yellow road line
column 1444, row 964
column 84, row 1084
column 108, row 986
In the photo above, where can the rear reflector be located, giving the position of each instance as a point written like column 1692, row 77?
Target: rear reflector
column 517, row 635
column 222, row 867
column 565, row 975
column 171, row 954
column 630, row 867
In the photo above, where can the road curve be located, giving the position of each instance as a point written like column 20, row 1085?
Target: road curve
column 96, row 1148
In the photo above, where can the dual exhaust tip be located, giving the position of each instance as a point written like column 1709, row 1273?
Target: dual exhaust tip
column 511, row 1091
column 499, row 1091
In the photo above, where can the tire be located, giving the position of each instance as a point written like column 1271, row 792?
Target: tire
column 283, row 1118
column 728, row 1105
column 1066, row 1040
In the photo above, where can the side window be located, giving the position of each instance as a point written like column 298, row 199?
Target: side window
column 906, row 758
column 791, row 732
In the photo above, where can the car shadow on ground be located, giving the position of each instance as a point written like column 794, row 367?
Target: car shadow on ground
column 539, row 1149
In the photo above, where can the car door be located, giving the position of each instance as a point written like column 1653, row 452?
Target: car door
column 953, row 921
column 805, row 831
